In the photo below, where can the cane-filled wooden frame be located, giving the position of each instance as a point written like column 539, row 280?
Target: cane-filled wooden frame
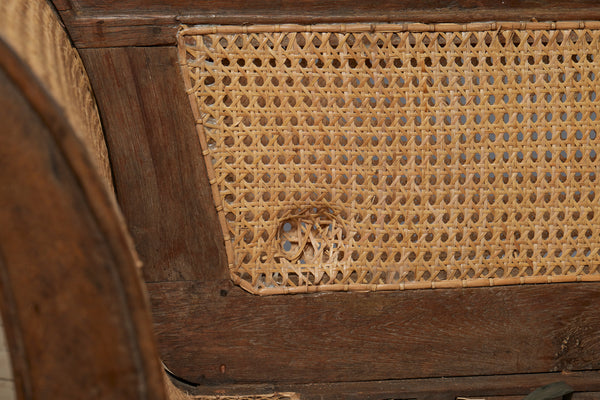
column 427, row 344
column 391, row 157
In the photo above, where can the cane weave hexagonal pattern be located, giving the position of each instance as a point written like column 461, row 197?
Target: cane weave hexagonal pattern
column 384, row 157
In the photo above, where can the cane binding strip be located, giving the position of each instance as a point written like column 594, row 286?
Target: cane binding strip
column 274, row 396
column 385, row 157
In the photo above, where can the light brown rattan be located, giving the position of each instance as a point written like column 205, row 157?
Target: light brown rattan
column 33, row 31
column 384, row 157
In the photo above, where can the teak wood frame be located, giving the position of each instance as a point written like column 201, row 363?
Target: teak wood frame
column 68, row 276
column 491, row 340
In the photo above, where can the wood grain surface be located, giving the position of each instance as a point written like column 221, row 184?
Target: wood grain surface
column 155, row 22
column 207, row 335
column 360, row 345
column 73, row 307
column 498, row 387
column 205, row 326
column 160, row 176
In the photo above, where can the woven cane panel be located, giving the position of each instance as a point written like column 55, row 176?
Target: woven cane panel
column 32, row 29
column 383, row 157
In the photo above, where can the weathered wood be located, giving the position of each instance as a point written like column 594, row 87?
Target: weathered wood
column 145, row 22
column 160, row 176
column 62, row 5
column 586, row 396
column 75, row 314
column 212, row 333
column 325, row 6
column 340, row 337
column 487, row 387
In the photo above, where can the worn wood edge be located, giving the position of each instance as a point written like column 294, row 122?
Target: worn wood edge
column 90, row 30
column 60, row 269
column 105, row 212
column 62, row 5
column 130, row 84
column 182, row 344
column 386, row 27
column 496, row 385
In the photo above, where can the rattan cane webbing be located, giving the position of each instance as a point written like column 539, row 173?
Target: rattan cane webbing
column 383, row 157
column 32, row 29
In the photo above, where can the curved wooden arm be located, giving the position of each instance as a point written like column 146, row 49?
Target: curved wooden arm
column 76, row 315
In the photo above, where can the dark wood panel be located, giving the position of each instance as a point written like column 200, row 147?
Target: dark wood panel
column 209, row 335
column 160, row 176
column 133, row 30
column 62, row 5
column 148, row 22
column 487, row 387
column 322, row 6
column 74, row 310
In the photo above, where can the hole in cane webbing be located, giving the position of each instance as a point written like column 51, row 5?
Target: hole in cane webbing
column 311, row 236
column 483, row 141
